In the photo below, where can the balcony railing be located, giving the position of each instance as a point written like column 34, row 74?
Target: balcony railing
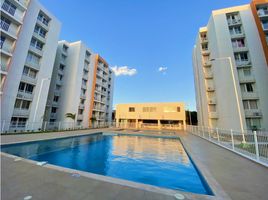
column 234, row 21
column 29, row 79
column 25, row 95
column 250, row 95
column 21, row 112
column 255, row 113
column 262, row 13
column 33, row 64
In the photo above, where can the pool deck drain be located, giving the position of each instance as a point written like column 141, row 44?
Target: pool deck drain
column 239, row 177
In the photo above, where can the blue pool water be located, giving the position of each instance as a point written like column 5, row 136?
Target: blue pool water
column 155, row 161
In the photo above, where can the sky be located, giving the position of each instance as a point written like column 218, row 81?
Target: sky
column 147, row 42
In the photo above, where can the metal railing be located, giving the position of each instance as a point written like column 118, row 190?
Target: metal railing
column 250, row 144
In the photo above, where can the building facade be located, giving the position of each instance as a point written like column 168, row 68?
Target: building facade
column 102, row 92
column 78, row 83
column 230, row 68
column 29, row 35
column 151, row 115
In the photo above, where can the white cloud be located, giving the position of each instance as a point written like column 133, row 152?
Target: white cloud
column 162, row 69
column 124, row 71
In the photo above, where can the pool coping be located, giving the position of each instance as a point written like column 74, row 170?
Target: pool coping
column 218, row 192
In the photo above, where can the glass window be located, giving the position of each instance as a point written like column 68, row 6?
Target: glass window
column 245, row 104
column 178, row 109
column 22, row 86
column 53, row 110
column 29, row 88
column 5, row 23
column 131, row 109
column 25, row 105
column 253, row 104
column 249, row 87
column 2, row 41
column 18, row 103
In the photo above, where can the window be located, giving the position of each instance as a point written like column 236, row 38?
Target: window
column 9, row 7
column 2, row 41
column 5, row 23
column 63, row 57
column 178, row 109
column 65, row 48
column 235, row 30
column 57, row 87
column 56, row 98
column 22, row 86
column 238, row 43
column 53, row 110
column 40, row 31
column 44, row 19
column 149, row 109
column 37, row 44
column 29, row 72
column 60, row 77
column 249, row 87
column 62, row 67
column 250, row 104
column 29, row 88
column 80, row 111
column 253, row 123
column 22, row 104
column 204, row 47
column 131, row 109
column 32, row 58
column 241, row 56
column 18, row 122
column 170, row 109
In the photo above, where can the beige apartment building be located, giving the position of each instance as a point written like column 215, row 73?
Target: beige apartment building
column 230, row 68
column 151, row 115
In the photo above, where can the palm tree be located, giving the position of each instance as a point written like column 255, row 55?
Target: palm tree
column 72, row 116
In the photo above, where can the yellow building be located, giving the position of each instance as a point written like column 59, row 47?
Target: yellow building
column 151, row 115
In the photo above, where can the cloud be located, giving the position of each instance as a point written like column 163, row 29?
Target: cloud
column 162, row 69
column 124, row 71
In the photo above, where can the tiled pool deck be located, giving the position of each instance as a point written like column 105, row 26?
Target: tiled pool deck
column 239, row 177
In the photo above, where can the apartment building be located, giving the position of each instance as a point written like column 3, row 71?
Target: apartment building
column 102, row 92
column 230, row 68
column 29, row 35
column 80, row 85
column 151, row 115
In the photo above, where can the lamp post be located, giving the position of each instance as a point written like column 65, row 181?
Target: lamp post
column 236, row 91
column 38, row 98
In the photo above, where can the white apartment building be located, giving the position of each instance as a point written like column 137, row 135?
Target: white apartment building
column 29, row 36
column 74, row 85
column 230, row 68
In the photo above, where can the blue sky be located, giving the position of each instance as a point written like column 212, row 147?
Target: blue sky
column 143, row 35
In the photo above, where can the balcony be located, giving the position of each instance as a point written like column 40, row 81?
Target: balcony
column 256, row 113
column 43, row 24
column 85, row 76
column 233, row 22
column 39, row 37
column 83, row 96
column 263, row 14
column 83, row 86
column 9, row 30
column 29, row 79
column 32, row 64
column 6, row 50
column 210, row 88
column 237, row 35
column 207, row 63
column 80, row 117
column 81, row 106
column 213, row 115
column 246, row 79
column 208, row 75
column 250, row 95
column 55, row 103
column 205, row 52
column 24, row 95
column 61, row 72
column 22, row 4
column 212, row 101
column 53, row 115
column 57, row 92
column 242, row 64
column 265, row 27
column 36, row 50
column 240, row 48
column 12, row 14
column 21, row 112
column 204, row 40
column 59, row 82
column 3, row 68
column 86, row 68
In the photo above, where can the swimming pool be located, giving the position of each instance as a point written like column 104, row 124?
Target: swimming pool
column 161, row 162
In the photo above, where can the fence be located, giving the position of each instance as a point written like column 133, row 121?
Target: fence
column 12, row 127
column 250, row 144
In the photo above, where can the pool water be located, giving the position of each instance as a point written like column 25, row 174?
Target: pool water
column 155, row 161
